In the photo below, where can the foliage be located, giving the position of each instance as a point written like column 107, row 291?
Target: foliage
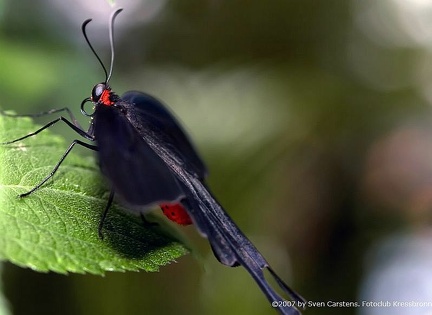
column 56, row 227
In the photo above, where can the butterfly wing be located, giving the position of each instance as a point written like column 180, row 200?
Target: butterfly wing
column 134, row 170
column 166, row 142
column 230, row 246
column 149, row 114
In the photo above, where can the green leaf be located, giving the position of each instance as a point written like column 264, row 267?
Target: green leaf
column 56, row 227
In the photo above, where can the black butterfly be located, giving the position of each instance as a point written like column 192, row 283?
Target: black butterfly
column 149, row 160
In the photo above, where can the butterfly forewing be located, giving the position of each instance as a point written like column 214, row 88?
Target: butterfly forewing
column 136, row 173
column 149, row 115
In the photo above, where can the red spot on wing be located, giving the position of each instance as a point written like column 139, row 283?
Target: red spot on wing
column 176, row 213
column 105, row 98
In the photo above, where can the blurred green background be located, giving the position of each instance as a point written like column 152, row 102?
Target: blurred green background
column 314, row 118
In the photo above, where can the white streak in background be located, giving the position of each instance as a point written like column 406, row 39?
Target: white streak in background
column 399, row 269
column 387, row 42
column 135, row 12
column 416, row 18
column 398, row 184
column 402, row 23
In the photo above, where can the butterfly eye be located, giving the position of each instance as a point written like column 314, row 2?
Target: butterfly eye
column 97, row 91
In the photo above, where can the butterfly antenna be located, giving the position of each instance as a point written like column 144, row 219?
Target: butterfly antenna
column 111, row 36
column 83, row 28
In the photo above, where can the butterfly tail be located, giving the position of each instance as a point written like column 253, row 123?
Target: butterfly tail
column 231, row 247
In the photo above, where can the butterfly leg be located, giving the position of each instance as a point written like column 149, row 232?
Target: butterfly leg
column 46, row 113
column 56, row 167
column 104, row 214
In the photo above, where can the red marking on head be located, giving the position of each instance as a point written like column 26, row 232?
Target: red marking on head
column 176, row 213
column 105, row 98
